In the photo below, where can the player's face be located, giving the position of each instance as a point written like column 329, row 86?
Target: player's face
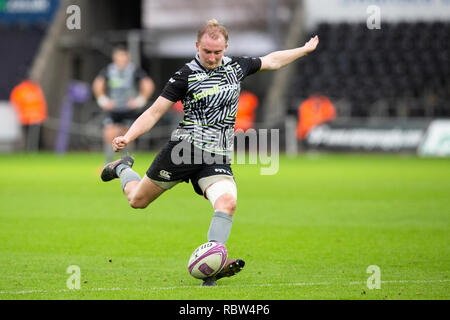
column 211, row 51
column 121, row 59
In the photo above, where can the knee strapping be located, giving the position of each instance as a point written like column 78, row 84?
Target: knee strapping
column 220, row 188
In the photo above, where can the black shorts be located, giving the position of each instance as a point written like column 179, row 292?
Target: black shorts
column 187, row 162
column 123, row 118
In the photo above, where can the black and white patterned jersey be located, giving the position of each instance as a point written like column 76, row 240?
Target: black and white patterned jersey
column 122, row 84
column 210, row 101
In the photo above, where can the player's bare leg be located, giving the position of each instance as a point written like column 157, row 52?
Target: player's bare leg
column 140, row 192
column 226, row 203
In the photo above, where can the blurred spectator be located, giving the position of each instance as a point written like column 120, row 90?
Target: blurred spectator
column 121, row 90
column 245, row 117
column 29, row 102
column 178, row 107
column 313, row 111
column 177, row 113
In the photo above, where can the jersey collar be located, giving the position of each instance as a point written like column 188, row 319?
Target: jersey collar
column 197, row 60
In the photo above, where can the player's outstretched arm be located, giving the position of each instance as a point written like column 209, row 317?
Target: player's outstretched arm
column 144, row 123
column 279, row 59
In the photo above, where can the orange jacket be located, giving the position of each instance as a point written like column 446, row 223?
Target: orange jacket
column 314, row 111
column 29, row 103
column 245, row 116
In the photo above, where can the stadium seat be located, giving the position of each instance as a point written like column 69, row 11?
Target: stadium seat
column 18, row 47
column 405, row 60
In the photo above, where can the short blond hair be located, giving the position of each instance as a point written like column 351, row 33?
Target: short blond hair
column 213, row 29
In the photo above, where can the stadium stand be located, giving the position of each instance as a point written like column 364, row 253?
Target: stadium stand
column 400, row 70
column 18, row 47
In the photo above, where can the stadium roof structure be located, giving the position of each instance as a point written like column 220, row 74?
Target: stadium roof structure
column 180, row 45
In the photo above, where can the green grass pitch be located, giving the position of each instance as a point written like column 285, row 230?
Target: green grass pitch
column 308, row 232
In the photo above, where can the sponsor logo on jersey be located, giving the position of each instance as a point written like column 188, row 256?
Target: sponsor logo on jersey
column 215, row 90
column 165, row 174
column 201, row 76
column 222, row 171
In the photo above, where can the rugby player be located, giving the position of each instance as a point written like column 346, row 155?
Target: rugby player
column 121, row 90
column 208, row 87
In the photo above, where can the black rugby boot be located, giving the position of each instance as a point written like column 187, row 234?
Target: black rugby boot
column 109, row 171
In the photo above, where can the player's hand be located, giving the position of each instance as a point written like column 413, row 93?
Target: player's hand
column 105, row 103
column 119, row 143
column 311, row 44
column 110, row 106
column 137, row 103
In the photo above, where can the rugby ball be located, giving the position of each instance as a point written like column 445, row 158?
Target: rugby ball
column 207, row 260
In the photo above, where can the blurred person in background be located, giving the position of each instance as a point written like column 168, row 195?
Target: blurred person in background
column 208, row 88
column 121, row 90
column 245, row 117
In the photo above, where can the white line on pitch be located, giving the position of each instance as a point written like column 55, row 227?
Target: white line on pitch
column 298, row 284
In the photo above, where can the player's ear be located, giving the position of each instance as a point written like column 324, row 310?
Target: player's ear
column 196, row 45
